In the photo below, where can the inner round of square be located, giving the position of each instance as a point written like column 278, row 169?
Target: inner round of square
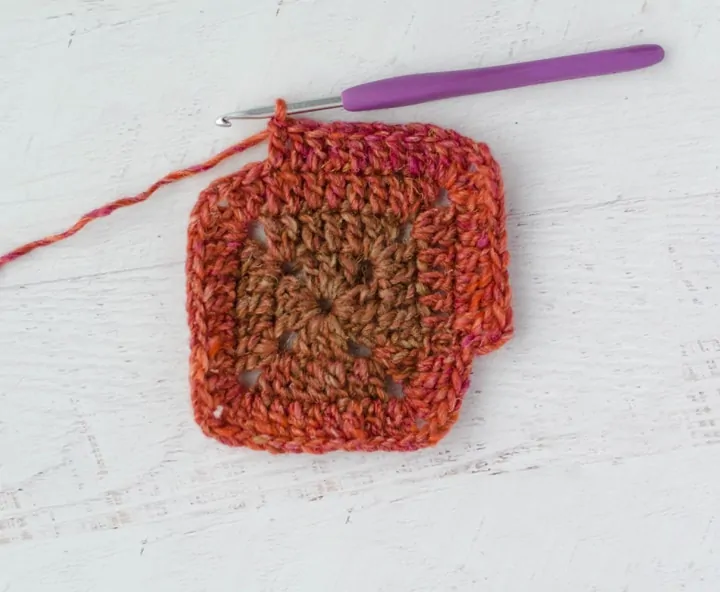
column 353, row 303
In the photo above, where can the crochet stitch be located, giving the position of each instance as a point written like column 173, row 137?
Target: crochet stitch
column 363, row 283
column 338, row 290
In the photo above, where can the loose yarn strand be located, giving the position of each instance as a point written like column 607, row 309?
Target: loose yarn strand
column 108, row 209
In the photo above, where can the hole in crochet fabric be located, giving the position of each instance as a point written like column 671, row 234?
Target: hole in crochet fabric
column 324, row 305
column 365, row 271
column 442, row 200
column 257, row 232
column 358, row 351
column 420, row 422
column 393, row 389
column 249, row 378
column 287, row 340
column 223, row 203
column 290, row 268
column 405, row 232
column 217, row 414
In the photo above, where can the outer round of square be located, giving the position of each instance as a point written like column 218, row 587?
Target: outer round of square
column 339, row 289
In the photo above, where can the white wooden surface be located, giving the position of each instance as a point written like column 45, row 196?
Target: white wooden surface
column 587, row 455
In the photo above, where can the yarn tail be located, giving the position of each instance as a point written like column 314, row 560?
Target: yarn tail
column 129, row 201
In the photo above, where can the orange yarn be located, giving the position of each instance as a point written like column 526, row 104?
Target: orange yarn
column 354, row 324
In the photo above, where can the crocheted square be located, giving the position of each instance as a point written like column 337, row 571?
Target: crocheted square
column 353, row 322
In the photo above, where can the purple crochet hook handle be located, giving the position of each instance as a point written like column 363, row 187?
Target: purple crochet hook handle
column 421, row 88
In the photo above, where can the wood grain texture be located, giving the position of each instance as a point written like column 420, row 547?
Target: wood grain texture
column 586, row 455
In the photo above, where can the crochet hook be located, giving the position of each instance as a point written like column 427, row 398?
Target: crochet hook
column 421, row 88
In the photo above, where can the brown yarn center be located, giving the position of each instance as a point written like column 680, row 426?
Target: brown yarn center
column 345, row 285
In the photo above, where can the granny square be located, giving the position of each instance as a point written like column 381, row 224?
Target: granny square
column 339, row 290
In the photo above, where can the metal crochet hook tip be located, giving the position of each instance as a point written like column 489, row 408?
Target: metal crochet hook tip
column 269, row 111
